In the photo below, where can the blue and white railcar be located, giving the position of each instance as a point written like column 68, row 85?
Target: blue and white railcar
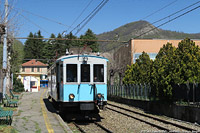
column 79, row 82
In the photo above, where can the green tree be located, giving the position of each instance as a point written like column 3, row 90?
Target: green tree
column 34, row 47
column 144, row 68
column 17, row 84
column 139, row 72
column 49, row 50
column 71, row 43
column 164, row 72
column 189, row 61
column 17, row 56
column 89, row 35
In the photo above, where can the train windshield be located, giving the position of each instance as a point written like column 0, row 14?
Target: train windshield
column 85, row 73
column 71, row 72
column 98, row 73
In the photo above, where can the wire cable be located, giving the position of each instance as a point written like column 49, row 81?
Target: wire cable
column 99, row 6
column 81, row 14
column 34, row 23
column 87, row 16
column 51, row 20
column 159, row 9
column 92, row 16
column 175, row 13
column 167, row 22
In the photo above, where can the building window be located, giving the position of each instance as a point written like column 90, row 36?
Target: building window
column 32, row 69
column 152, row 56
column 38, row 69
column 23, row 69
column 98, row 73
column 85, row 73
column 71, row 72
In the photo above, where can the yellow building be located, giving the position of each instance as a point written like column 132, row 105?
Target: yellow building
column 31, row 73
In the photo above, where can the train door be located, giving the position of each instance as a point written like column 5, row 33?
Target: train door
column 59, row 78
column 86, row 90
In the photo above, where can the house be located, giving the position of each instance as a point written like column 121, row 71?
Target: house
column 32, row 73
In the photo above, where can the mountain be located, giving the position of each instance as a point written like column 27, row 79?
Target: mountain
column 134, row 29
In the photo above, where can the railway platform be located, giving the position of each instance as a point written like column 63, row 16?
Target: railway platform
column 36, row 114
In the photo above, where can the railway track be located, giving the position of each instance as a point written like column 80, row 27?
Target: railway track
column 93, row 127
column 150, row 117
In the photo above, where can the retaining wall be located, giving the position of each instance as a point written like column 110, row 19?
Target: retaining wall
column 185, row 113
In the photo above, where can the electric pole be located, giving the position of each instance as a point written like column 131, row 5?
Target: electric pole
column 5, row 49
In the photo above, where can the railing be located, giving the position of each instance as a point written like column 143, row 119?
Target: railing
column 138, row 91
column 184, row 94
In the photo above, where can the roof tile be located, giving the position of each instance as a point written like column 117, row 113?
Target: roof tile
column 33, row 62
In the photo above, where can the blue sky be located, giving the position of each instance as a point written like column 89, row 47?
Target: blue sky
column 113, row 15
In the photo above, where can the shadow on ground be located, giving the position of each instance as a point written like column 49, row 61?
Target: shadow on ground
column 72, row 115
column 49, row 106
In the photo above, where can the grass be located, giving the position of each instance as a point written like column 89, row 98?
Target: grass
column 37, row 127
column 7, row 129
column 10, row 108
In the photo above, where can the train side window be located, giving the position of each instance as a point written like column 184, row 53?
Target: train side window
column 71, row 73
column 85, row 73
column 98, row 73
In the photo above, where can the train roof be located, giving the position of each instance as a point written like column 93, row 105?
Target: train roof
column 77, row 56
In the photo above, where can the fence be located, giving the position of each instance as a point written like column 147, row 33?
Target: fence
column 189, row 92
column 138, row 91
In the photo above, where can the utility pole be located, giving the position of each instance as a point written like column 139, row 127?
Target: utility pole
column 5, row 49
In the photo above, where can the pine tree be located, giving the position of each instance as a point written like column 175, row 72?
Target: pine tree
column 189, row 61
column 34, row 47
column 89, row 35
column 164, row 72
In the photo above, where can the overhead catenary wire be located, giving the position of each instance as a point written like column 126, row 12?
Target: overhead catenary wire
column 70, row 39
column 167, row 22
column 175, row 13
column 159, row 9
column 87, row 16
column 34, row 23
column 90, row 16
column 81, row 13
column 48, row 19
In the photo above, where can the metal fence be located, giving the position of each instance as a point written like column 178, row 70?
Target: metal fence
column 138, row 91
column 189, row 93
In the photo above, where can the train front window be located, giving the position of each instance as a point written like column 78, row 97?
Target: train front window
column 98, row 73
column 85, row 73
column 71, row 72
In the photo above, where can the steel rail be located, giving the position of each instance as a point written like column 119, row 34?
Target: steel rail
column 161, row 120
column 154, row 125
column 102, row 127
column 79, row 128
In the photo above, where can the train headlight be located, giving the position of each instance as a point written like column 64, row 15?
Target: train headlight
column 99, row 95
column 71, row 96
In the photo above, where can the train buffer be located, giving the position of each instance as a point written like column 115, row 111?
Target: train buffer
column 37, row 114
